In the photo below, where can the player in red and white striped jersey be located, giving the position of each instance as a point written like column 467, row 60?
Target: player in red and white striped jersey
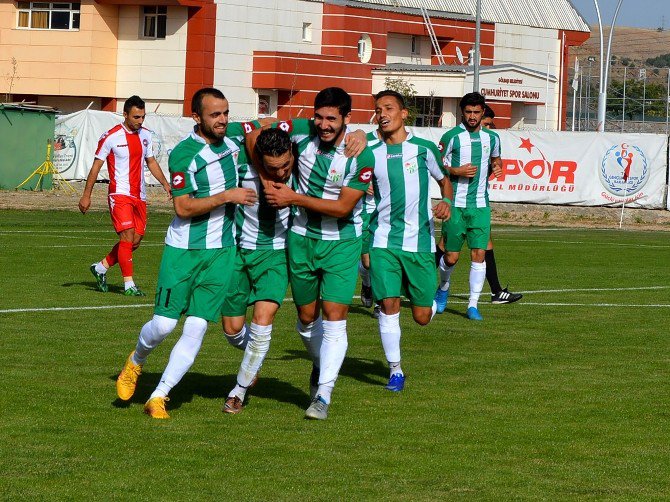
column 125, row 148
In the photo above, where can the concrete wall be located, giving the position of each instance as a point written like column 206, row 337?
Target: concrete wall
column 152, row 68
column 244, row 26
column 529, row 47
column 61, row 63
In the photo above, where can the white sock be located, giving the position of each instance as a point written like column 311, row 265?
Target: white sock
column 128, row 284
column 365, row 274
column 445, row 274
column 312, row 337
column 395, row 369
column 182, row 356
column 100, row 268
column 477, row 278
column 254, row 354
column 239, row 340
column 389, row 330
column 333, row 350
column 433, row 309
column 151, row 335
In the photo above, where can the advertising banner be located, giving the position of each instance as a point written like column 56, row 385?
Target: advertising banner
column 77, row 134
column 542, row 167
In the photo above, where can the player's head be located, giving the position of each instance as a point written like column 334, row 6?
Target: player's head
column 275, row 149
column 390, row 111
column 209, row 109
column 489, row 115
column 133, row 113
column 332, row 112
column 472, row 108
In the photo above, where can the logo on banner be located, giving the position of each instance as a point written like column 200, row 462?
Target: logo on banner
column 64, row 149
column 624, row 170
column 532, row 171
column 156, row 144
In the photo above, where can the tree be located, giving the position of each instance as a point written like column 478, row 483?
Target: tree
column 662, row 61
column 10, row 78
column 406, row 89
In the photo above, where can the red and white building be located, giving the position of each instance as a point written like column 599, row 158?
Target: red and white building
column 271, row 57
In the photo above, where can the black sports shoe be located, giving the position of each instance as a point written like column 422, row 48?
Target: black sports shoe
column 504, row 296
column 366, row 296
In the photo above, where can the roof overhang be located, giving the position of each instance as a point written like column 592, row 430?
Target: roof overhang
column 506, row 82
column 183, row 3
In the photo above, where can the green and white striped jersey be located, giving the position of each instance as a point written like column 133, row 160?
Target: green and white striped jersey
column 260, row 226
column 460, row 147
column 322, row 172
column 403, row 219
column 199, row 170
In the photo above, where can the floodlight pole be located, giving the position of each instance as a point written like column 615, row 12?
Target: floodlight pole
column 478, row 27
column 604, row 65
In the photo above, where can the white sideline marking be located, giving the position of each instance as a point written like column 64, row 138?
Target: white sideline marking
column 602, row 244
column 452, row 299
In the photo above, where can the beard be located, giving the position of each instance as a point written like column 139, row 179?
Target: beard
column 210, row 133
column 337, row 133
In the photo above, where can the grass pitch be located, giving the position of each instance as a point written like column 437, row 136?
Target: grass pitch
column 563, row 395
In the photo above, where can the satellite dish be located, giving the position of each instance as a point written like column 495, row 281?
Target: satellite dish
column 459, row 55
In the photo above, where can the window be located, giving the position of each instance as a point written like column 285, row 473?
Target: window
column 48, row 15
column 263, row 105
column 428, row 111
column 415, row 46
column 306, row 32
column 155, row 21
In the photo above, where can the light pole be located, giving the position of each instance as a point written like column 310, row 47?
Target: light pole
column 604, row 65
column 478, row 27
column 591, row 60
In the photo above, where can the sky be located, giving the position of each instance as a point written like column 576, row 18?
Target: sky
column 636, row 13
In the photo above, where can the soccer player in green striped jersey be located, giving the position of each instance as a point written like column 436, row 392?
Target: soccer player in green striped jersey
column 469, row 151
column 261, row 270
column 324, row 242
column 402, row 225
column 199, row 249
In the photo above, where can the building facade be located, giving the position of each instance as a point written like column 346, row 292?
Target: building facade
column 271, row 57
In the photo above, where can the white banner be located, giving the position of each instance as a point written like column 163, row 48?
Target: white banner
column 565, row 168
column 576, row 168
column 76, row 139
column 585, row 169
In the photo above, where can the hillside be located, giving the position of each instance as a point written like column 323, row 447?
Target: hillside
column 630, row 46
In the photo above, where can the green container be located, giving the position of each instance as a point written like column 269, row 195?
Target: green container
column 25, row 131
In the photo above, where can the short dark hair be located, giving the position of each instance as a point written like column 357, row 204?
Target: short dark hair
column 334, row 96
column 135, row 101
column 472, row 99
column 196, row 101
column 488, row 112
column 394, row 94
column 273, row 142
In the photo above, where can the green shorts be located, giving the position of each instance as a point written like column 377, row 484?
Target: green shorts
column 367, row 235
column 325, row 269
column 193, row 282
column 395, row 273
column 260, row 274
column 473, row 224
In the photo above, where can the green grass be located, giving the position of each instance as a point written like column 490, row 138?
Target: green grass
column 561, row 396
